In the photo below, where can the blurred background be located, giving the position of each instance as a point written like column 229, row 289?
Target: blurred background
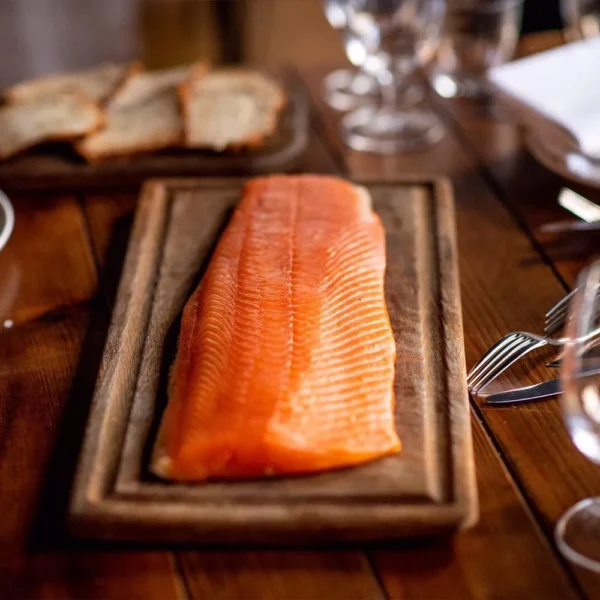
column 42, row 36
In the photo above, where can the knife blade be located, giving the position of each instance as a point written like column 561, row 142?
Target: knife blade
column 538, row 391
column 568, row 226
column 579, row 205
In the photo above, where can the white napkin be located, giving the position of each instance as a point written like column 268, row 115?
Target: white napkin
column 562, row 85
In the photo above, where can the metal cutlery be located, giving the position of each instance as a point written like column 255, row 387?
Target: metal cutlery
column 569, row 226
column 538, row 391
column 503, row 354
column 516, row 345
column 547, row 389
column 556, row 316
column 589, row 212
column 581, row 207
column 513, row 346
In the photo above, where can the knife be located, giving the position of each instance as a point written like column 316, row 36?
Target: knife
column 532, row 392
column 579, row 205
column 569, row 226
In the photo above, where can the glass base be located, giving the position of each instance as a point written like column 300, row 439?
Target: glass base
column 454, row 85
column 566, row 162
column 384, row 132
column 577, row 534
column 346, row 89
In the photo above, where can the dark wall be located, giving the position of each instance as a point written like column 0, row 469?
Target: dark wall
column 539, row 15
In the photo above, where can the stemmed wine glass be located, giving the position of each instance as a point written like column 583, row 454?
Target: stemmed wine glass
column 581, row 17
column 393, row 39
column 345, row 89
column 577, row 532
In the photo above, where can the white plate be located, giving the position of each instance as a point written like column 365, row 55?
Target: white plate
column 7, row 219
column 564, row 161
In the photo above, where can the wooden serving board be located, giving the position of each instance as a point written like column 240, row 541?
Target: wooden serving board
column 428, row 488
column 58, row 165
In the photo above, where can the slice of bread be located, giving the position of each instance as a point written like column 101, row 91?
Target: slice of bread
column 148, row 84
column 229, row 108
column 153, row 125
column 144, row 116
column 64, row 116
column 98, row 83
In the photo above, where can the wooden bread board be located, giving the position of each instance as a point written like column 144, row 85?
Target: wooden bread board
column 57, row 166
column 428, row 488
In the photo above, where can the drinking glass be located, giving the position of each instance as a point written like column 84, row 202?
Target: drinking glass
column 344, row 89
column 577, row 532
column 477, row 35
column 393, row 39
column 581, row 17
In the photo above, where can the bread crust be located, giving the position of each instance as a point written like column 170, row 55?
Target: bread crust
column 134, row 68
column 254, row 141
column 141, row 148
column 95, row 157
column 15, row 95
column 100, row 120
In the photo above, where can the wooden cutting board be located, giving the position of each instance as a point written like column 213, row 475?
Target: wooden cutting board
column 428, row 488
column 58, row 166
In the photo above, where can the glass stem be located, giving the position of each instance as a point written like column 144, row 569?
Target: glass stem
column 389, row 90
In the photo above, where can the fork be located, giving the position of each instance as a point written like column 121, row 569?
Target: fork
column 589, row 212
column 556, row 316
column 511, row 348
column 503, row 354
column 515, row 345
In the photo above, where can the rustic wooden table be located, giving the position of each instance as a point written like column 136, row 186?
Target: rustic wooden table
column 58, row 278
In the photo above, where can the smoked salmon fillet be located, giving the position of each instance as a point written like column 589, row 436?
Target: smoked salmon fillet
column 285, row 362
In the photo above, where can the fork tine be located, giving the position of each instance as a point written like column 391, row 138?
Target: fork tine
column 552, row 325
column 515, row 341
column 518, row 352
column 556, row 316
column 560, row 305
column 489, row 355
column 508, row 350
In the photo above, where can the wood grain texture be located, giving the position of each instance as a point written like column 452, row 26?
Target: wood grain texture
column 477, row 563
column 107, row 575
column 46, row 265
column 109, row 218
column 480, row 562
column 428, row 487
column 47, row 370
column 533, row 437
column 498, row 263
column 274, row 575
column 233, row 574
column 58, row 168
column 528, row 188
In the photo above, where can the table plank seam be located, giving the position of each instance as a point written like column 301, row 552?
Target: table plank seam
column 523, row 498
column 181, row 583
column 371, row 567
column 87, row 231
column 318, row 126
column 178, row 576
column 500, row 194
column 527, row 501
